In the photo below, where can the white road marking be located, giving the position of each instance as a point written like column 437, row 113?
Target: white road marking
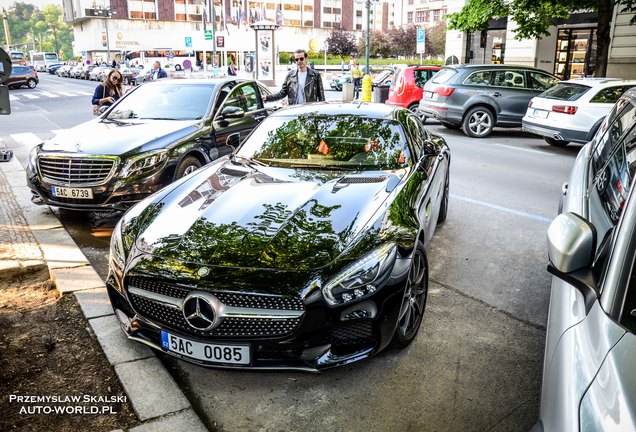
column 57, row 131
column 47, row 94
column 13, row 98
column 67, row 94
column 30, row 96
column 27, row 139
column 503, row 209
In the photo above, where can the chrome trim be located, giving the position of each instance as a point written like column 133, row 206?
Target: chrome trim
column 106, row 158
column 223, row 311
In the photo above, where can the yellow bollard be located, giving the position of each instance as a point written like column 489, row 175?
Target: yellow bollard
column 365, row 95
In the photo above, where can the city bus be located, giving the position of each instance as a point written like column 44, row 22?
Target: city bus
column 40, row 61
column 18, row 58
column 170, row 58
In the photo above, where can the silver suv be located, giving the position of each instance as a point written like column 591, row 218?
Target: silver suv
column 479, row 97
column 589, row 382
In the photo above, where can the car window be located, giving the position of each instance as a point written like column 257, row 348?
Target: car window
column 478, row 78
column 444, row 75
column 421, row 76
column 235, row 99
column 504, row 78
column 609, row 94
column 251, row 98
column 541, row 81
column 565, row 92
column 612, row 169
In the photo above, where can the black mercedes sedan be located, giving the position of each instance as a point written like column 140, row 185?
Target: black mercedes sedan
column 155, row 134
column 304, row 249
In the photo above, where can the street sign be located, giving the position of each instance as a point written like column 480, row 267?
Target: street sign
column 188, row 42
column 208, row 34
column 220, row 41
column 421, row 41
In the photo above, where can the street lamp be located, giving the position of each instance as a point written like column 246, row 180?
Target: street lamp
column 106, row 13
column 268, row 49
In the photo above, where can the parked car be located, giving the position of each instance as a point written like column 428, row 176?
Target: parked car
column 63, row 71
column 305, row 250
column 588, row 374
column 383, row 78
column 86, row 71
column 479, row 97
column 22, row 76
column 155, row 134
column 76, row 71
column 338, row 81
column 144, row 75
column 54, row 67
column 130, row 75
column 573, row 110
column 407, row 88
column 98, row 73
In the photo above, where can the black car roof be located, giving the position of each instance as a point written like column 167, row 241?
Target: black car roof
column 371, row 110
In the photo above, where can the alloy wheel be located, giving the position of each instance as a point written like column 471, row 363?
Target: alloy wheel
column 414, row 300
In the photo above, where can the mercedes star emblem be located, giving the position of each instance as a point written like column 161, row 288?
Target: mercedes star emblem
column 198, row 311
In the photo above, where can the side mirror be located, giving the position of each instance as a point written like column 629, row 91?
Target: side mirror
column 571, row 250
column 232, row 112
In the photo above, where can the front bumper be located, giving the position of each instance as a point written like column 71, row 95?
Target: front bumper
column 321, row 337
column 115, row 194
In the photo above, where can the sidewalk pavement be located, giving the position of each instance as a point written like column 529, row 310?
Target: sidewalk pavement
column 32, row 239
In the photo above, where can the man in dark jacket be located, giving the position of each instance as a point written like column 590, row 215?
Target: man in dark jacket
column 158, row 72
column 309, row 80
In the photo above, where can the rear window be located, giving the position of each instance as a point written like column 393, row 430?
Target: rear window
column 444, row 75
column 565, row 92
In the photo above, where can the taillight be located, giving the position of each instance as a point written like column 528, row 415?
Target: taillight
column 445, row 91
column 565, row 109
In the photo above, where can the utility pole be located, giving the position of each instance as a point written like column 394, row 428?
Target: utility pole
column 368, row 2
column 7, row 32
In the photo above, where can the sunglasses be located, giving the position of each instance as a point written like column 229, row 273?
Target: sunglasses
column 297, row 59
column 116, row 78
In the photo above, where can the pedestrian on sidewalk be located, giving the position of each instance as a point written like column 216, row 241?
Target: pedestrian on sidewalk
column 108, row 92
column 356, row 76
column 158, row 72
column 231, row 68
column 307, row 80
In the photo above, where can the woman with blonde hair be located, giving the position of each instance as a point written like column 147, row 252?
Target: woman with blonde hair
column 108, row 92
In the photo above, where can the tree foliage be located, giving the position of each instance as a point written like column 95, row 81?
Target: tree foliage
column 535, row 17
column 342, row 43
column 404, row 40
column 37, row 29
column 436, row 39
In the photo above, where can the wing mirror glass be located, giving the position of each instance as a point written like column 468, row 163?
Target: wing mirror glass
column 571, row 243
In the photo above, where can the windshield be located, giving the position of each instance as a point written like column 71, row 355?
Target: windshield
column 328, row 142
column 565, row 92
column 174, row 101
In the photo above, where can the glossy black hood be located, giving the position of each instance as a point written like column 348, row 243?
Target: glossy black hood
column 118, row 138
column 270, row 218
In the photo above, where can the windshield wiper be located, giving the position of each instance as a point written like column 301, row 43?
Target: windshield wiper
column 247, row 161
column 322, row 167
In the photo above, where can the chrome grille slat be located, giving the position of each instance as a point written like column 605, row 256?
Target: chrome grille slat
column 75, row 170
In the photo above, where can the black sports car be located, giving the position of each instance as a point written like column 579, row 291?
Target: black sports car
column 155, row 134
column 305, row 249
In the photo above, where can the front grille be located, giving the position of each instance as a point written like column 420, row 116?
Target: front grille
column 230, row 327
column 75, row 171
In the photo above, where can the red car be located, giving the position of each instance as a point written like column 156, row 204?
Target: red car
column 406, row 90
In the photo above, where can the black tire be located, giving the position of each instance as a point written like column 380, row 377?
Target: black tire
column 555, row 142
column 414, row 109
column 478, row 122
column 451, row 126
column 443, row 210
column 177, row 67
column 31, row 83
column 414, row 300
column 188, row 165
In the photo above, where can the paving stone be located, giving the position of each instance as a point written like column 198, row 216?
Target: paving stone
column 76, row 279
column 184, row 421
column 116, row 346
column 151, row 389
column 94, row 302
column 60, row 251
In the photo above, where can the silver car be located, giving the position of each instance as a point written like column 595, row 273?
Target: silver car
column 589, row 379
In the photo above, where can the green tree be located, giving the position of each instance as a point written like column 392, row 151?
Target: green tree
column 436, row 39
column 379, row 45
column 403, row 41
column 535, row 17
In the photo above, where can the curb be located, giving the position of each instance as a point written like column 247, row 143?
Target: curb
column 154, row 395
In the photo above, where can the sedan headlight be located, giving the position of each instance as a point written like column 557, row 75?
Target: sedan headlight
column 33, row 157
column 117, row 250
column 145, row 163
column 362, row 278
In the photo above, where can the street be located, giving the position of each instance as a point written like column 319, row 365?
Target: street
column 476, row 364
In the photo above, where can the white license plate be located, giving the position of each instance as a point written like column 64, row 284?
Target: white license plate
column 213, row 353
column 540, row 113
column 66, row 192
column 428, row 95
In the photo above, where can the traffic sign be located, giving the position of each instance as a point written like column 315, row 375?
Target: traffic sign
column 220, row 41
column 208, row 34
column 188, row 42
column 187, row 64
column 421, row 41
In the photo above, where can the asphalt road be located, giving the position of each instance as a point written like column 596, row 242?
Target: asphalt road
column 476, row 364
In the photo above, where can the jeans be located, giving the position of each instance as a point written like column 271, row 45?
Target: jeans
column 356, row 88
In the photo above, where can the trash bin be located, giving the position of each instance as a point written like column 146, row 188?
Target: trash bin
column 347, row 92
column 380, row 93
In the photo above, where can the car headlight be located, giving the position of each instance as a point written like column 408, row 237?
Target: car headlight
column 33, row 157
column 362, row 278
column 117, row 250
column 145, row 163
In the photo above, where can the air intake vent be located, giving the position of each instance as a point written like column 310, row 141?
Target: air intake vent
column 75, row 171
column 233, row 172
column 354, row 180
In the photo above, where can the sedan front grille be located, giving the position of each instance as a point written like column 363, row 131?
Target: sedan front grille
column 165, row 313
column 75, row 171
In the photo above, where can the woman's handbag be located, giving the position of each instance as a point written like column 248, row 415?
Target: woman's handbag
column 96, row 110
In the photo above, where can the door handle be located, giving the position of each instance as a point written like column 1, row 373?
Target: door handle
column 497, row 94
column 260, row 117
